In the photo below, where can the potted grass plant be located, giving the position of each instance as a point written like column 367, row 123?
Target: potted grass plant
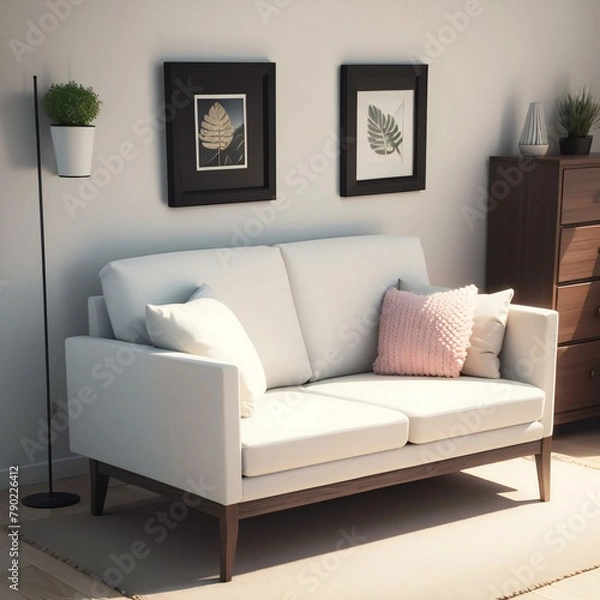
column 578, row 114
column 71, row 108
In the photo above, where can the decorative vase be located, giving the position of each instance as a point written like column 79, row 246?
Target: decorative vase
column 534, row 139
column 73, row 148
column 576, row 145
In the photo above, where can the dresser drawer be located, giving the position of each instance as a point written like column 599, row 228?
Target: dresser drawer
column 579, row 311
column 578, row 377
column 579, row 253
column 581, row 195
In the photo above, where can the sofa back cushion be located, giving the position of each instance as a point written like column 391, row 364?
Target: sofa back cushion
column 251, row 281
column 338, row 286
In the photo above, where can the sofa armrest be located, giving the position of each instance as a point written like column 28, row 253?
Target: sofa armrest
column 170, row 416
column 529, row 353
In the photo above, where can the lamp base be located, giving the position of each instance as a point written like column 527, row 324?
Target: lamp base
column 533, row 149
column 50, row 500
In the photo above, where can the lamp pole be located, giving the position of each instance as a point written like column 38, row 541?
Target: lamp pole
column 49, row 499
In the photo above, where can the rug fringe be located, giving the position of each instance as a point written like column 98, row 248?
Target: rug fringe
column 79, row 568
column 550, row 582
column 575, row 461
column 570, row 459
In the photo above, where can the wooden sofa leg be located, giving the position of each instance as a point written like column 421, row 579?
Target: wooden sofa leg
column 229, row 525
column 99, row 483
column 542, row 462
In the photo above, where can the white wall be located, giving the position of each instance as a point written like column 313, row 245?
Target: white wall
column 483, row 74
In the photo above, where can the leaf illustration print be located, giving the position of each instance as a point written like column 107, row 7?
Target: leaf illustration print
column 383, row 132
column 216, row 131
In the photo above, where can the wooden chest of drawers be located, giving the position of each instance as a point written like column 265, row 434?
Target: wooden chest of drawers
column 543, row 240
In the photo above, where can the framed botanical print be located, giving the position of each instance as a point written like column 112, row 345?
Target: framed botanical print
column 220, row 126
column 383, row 128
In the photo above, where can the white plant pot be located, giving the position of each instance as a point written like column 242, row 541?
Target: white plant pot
column 73, row 149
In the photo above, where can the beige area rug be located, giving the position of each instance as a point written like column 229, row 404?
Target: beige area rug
column 476, row 535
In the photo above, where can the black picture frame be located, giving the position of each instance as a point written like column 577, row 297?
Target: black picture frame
column 207, row 171
column 404, row 86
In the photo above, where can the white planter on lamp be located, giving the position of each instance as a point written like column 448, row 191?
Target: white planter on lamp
column 71, row 108
column 73, row 149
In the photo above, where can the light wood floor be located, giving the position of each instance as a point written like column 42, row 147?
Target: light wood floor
column 45, row 578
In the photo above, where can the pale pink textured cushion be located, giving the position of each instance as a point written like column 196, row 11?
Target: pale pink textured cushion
column 425, row 335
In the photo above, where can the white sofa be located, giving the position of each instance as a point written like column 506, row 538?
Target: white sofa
column 327, row 426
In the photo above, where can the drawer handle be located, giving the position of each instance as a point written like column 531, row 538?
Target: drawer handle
column 592, row 373
column 598, row 312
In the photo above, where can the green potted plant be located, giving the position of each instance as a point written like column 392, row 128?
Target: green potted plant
column 577, row 115
column 71, row 108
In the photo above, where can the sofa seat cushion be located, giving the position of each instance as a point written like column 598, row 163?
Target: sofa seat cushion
column 438, row 408
column 291, row 428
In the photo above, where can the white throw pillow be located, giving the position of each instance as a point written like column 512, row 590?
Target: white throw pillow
column 489, row 325
column 207, row 327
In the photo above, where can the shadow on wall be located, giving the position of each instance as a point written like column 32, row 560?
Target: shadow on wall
column 317, row 232
column 18, row 128
column 81, row 277
column 508, row 124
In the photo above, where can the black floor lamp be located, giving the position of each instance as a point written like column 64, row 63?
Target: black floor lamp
column 49, row 499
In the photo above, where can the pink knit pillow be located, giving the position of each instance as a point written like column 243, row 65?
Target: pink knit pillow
column 425, row 335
